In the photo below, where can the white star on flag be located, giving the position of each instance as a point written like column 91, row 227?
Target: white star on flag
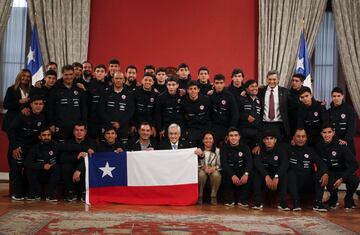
column 30, row 56
column 107, row 170
column 300, row 64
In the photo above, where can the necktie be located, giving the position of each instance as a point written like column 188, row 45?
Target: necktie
column 174, row 146
column 271, row 105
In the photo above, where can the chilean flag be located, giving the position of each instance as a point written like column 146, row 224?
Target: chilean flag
column 162, row 177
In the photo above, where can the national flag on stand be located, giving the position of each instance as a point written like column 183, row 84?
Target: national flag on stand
column 303, row 64
column 164, row 177
column 34, row 58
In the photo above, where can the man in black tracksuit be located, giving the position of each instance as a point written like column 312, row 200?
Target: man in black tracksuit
column 342, row 117
column 96, row 88
column 250, row 115
column 117, row 107
column 196, row 109
column 23, row 134
column 341, row 164
column 297, row 81
column 168, row 108
column 307, row 172
column 271, row 166
column 67, row 106
column 237, row 164
column 312, row 116
column 42, row 165
column 72, row 161
column 224, row 109
column 145, row 100
column 110, row 143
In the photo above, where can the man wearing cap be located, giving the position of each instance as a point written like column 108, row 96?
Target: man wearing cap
column 307, row 172
column 271, row 166
column 341, row 164
column 196, row 110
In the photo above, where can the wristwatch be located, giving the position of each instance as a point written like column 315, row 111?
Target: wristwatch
column 246, row 173
column 276, row 176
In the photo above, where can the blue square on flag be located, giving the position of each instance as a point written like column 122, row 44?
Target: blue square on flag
column 108, row 169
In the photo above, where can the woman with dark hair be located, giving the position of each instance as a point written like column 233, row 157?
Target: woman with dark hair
column 16, row 97
column 209, row 166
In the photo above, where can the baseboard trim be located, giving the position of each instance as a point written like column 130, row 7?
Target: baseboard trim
column 4, row 176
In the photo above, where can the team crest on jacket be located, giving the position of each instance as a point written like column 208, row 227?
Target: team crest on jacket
column 123, row 97
column 306, row 155
column 240, row 154
column 343, row 115
column 333, row 153
column 76, row 92
column 223, row 102
column 316, row 114
column 179, row 100
column 51, row 152
column 276, row 158
column 201, row 107
column 151, row 99
column 258, row 101
column 39, row 124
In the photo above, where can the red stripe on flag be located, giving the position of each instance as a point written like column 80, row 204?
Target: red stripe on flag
column 179, row 195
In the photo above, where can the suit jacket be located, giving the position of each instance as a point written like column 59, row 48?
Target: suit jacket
column 283, row 103
column 165, row 144
column 134, row 145
column 11, row 103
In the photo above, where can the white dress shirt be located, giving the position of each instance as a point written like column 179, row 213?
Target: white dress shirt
column 276, row 102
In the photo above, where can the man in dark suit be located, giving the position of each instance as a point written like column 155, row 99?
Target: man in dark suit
column 274, row 101
column 174, row 141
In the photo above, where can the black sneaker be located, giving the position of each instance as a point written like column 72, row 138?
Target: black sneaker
column 33, row 198
column 297, row 206
column 229, row 204
column 319, row 207
column 243, row 204
column 70, row 197
column 17, row 198
column 258, row 206
column 333, row 205
column 213, row 201
column 83, row 197
column 51, row 199
column 283, row 206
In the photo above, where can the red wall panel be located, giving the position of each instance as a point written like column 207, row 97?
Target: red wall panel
column 218, row 34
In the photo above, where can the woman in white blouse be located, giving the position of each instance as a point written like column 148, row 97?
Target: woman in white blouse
column 209, row 166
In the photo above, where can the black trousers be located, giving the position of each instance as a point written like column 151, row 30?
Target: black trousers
column 194, row 136
column 67, row 172
column 37, row 177
column 94, row 129
column 17, row 177
column 279, row 129
column 63, row 133
column 304, row 183
column 234, row 193
column 352, row 182
column 219, row 132
column 250, row 136
column 259, row 181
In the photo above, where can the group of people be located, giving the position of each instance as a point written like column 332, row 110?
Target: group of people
column 248, row 137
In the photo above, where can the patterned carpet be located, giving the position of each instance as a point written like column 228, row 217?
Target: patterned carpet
column 61, row 222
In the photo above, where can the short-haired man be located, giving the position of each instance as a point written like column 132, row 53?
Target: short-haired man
column 312, row 116
column 114, row 66
column 173, row 141
column 302, row 175
column 144, row 142
column 274, row 100
column 168, row 108
column 342, row 117
column 160, row 82
column 131, row 74
column 66, row 106
column 237, row 164
column 110, row 143
column 224, row 110
column 184, row 77
column 196, row 109
column 271, row 166
column 341, row 164
column 117, row 107
column 296, row 84
column 204, row 80
column 236, row 86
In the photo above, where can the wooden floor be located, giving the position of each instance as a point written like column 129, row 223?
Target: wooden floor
column 349, row 220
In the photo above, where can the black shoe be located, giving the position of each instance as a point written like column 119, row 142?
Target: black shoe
column 283, row 206
column 70, row 197
column 319, row 207
column 333, row 205
column 243, row 204
column 258, row 206
column 297, row 206
column 51, row 199
column 17, row 198
column 33, row 198
column 83, row 197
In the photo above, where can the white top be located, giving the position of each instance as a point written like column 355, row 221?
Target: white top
column 277, row 106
